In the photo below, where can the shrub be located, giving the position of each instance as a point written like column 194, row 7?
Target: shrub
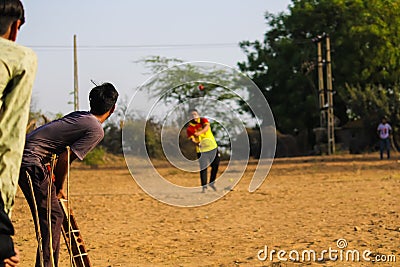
column 95, row 157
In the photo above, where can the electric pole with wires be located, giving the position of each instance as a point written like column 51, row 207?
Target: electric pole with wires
column 327, row 117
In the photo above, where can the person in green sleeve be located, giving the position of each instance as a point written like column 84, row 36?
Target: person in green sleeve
column 17, row 72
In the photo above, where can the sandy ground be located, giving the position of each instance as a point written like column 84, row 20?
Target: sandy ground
column 305, row 204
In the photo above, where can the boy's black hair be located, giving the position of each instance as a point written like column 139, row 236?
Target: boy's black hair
column 102, row 98
column 10, row 12
column 193, row 109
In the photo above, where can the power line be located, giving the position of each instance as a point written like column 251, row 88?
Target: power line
column 127, row 47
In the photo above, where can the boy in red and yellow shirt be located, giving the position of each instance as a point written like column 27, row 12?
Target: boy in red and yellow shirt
column 199, row 132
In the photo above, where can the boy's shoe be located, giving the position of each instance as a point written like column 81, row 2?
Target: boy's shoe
column 213, row 186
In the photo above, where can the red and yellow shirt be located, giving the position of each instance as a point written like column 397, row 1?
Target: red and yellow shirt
column 206, row 140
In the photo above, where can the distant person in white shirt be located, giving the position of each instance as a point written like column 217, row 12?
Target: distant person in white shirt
column 384, row 130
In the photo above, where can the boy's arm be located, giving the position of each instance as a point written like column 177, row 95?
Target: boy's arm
column 193, row 139
column 205, row 129
column 190, row 131
column 60, row 171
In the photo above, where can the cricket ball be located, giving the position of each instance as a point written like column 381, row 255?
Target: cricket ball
column 201, row 87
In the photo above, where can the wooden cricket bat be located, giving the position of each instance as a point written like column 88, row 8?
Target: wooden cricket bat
column 75, row 244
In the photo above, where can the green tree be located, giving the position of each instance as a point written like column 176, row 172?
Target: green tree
column 178, row 84
column 371, row 103
column 112, row 140
column 364, row 36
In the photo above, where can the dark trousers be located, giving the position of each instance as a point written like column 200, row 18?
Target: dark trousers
column 209, row 158
column 6, row 231
column 384, row 144
column 40, row 181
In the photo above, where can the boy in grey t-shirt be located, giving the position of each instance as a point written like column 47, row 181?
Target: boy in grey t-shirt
column 81, row 131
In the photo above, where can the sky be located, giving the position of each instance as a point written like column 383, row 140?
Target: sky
column 113, row 35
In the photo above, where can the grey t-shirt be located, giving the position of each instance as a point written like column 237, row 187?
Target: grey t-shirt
column 80, row 130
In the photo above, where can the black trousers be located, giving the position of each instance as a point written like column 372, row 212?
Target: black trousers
column 40, row 180
column 209, row 158
column 6, row 231
column 384, row 144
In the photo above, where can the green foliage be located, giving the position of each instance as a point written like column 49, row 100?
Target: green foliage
column 223, row 98
column 112, row 140
column 177, row 85
column 153, row 139
column 364, row 38
column 95, row 157
column 138, row 130
column 133, row 134
column 372, row 102
column 160, row 138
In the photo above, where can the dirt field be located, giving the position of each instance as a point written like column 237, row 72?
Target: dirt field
column 304, row 204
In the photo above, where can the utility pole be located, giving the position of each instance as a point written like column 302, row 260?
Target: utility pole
column 76, row 89
column 331, row 117
column 321, row 90
column 327, row 118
